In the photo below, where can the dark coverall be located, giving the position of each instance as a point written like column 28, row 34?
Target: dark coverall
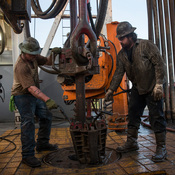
column 144, row 67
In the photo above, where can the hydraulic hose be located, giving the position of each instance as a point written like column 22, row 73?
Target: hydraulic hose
column 90, row 17
column 53, row 10
column 148, row 125
column 2, row 41
column 101, row 16
column 40, row 12
column 98, row 25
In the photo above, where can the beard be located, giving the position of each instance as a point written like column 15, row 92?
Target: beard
column 128, row 45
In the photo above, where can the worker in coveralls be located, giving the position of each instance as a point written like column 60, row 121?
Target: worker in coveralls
column 145, row 68
column 31, row 102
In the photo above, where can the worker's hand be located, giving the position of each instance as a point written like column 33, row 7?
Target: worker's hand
column 109, row 95
column 51, row 104
column 158, row 92
column 12, row 106
column 56, row 50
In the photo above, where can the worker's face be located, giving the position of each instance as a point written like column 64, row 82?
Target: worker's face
column 29, row 57
column 126, row 42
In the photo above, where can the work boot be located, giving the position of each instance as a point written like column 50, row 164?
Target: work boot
column 31, row 161
column 131, row 143
column 47, row 147
column 161, row 152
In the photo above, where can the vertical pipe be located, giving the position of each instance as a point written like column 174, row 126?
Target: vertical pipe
column 172, row 19
column 156, row 25
column 83, row 10
column 97, row 5
column 34, row 27
column 26, row 29
column 83, row 16
column 73, row 20
column 150, row 20
column 170, row 64
column 163, row 48
column 88, row 108
column 80, row 98
column 73, row 14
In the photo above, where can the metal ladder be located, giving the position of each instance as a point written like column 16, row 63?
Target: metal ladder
column 66, row 23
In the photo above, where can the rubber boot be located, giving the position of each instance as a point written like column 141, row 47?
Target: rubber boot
column 131, row 143
column 161, row 152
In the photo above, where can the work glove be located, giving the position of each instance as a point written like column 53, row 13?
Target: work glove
column 56, row 50
column 51, row 104
column 12, row 106
column 109, row 95
column 158, row 92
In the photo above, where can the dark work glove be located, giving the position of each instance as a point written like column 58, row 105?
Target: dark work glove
column 109, row 95
column 56, row 50
column 158, row 92
column 51, row 104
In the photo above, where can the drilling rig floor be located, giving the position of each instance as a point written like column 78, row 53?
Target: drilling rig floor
column 133, row 163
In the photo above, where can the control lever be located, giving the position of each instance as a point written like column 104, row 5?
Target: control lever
column 64, row 114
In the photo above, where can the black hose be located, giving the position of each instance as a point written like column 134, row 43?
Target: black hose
column 148, row 125
column 48, row 70
column 111, row 65
column 2, row 40
column 101, row 16
column 112, row 44
column 98, row 25
column 58, row 6
column 40, row 12
column 124, row 91
column 10, row 142
column 90, row 17
column 4, row 138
